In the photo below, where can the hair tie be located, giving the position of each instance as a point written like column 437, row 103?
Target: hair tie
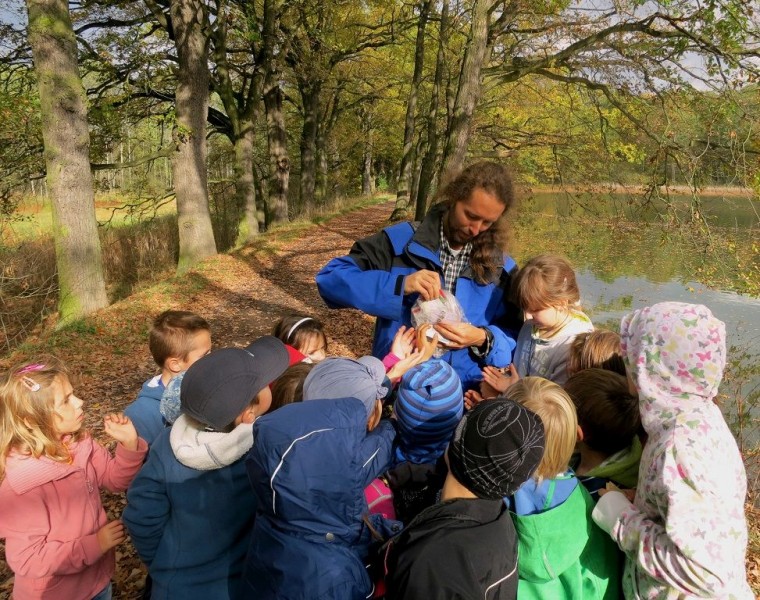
column 297, row 325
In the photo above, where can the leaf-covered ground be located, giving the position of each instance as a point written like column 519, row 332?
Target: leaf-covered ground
column 242, row 295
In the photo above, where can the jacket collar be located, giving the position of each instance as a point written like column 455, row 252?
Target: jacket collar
column 425, row 242
column 460, row 512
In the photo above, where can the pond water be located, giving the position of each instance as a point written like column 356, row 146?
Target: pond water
column 622, row 266
column 728, row 210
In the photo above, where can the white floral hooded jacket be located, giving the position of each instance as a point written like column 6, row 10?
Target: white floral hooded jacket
column 685, row 536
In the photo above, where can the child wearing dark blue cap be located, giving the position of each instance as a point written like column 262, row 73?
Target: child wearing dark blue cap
column 190, row 510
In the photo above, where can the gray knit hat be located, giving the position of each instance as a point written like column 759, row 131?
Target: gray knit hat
column 362, row 378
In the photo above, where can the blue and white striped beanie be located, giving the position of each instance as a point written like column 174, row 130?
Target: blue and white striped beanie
column 429, row 405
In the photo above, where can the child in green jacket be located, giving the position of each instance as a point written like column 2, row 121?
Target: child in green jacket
column 561, row 551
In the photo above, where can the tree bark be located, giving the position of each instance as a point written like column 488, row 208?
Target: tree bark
column 196, row 235
column 310, row 100
column 427, row 169
column 277, row 135
column 279, row 161
column 245, row 188
column 66, row 137
column 368, row 180
column 468, row 92
column 405, row 167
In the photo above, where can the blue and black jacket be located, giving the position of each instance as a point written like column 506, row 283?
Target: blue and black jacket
column 371, row 279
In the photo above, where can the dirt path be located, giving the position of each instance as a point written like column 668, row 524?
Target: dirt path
column 242, row 296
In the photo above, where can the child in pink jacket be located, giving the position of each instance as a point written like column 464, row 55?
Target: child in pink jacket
column 685, row 535
column 58, row 540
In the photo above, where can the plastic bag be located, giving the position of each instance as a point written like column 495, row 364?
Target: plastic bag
column 445, row 308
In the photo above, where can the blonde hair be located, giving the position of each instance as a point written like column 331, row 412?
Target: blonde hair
column 27, row 411
column 557, row 412
column 599, row 349
column 546, row 280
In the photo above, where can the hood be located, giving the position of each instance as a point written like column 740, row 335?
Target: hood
column 24, row 472
column 550, row 542
column 153, row 388
column 578, row 323
column 208, row 450
column 675, row 353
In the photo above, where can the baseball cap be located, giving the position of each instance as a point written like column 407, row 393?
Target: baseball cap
column 217, row 388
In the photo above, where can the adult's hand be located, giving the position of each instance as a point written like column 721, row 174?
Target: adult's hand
column 426, row 283
column 461, row 335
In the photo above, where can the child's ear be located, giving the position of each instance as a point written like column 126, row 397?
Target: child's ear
column 248, row 416
column 580, row 434
column 374, row 417
column 174, row 365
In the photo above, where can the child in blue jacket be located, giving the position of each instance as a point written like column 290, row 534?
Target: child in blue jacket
column 177, row 339
column 308, row 466
column 190, row 511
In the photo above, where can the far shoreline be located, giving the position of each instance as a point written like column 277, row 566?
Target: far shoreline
column 638, row 189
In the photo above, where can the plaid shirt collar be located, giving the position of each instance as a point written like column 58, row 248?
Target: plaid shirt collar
column 452, row 264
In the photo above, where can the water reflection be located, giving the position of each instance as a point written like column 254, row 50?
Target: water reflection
column 624, row 264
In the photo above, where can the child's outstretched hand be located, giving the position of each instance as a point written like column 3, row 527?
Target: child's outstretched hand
column 119, row 426
column 426, row 345
column 403, row 342
column 498, row 380
column 472, row 398
column 111, row 535
column 424, row 350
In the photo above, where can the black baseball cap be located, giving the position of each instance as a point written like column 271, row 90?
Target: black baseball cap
column 217, row 388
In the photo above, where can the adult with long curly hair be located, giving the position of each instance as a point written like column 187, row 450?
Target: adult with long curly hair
column 460, row 247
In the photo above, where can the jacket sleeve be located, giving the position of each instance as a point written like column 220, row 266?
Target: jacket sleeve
column 376, row 451
column 30, row 551
column 363, row 280
column 685, row 551
column 503, row 346
column 148, row 507
column 508, row 322
column 115, row 473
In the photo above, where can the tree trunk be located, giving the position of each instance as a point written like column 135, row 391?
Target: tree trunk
column 418, row 154
column 368, row 181
column 66, row 136
column 405, row 167
column 427, row 169
column 310, row 92
column 468, row 92
column 196, row 236
column 320, row 187
column 277, row 135
column 279, row 161
column 245, row 188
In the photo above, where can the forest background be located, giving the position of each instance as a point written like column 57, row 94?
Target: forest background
column 198, row 124
column 139, row 138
